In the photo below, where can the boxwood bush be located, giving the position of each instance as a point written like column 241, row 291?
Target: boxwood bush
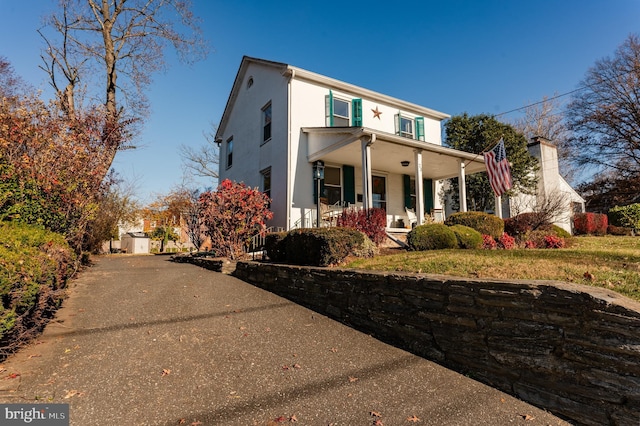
column 35, row 265
column 433, row 236
column 468, row 238
column 318, row 246
column 484, row 223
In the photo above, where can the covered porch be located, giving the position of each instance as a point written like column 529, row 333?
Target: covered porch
column 388, row 171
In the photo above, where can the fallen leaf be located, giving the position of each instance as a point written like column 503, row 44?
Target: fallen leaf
column 293, row 418
column 281, row 419
column 589, row 276
column 182, row 421
column 413, row 419
column 13, row 376
column 334, row 350
column 296, row 366
column 375, row 414
column 502, row 400
column 352, row 379
column 378, row 423
column 196, row 423
column 285, row 367
column 72, row 393
column 527, row 417
column 165, row 372
column 66, row 351
column 34, row 356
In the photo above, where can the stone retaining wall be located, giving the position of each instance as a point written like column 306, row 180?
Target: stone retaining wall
column 573, row 350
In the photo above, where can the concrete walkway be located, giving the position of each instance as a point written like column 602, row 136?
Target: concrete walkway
column 144, row 341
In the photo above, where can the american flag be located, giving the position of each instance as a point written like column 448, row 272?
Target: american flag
column 498, row 169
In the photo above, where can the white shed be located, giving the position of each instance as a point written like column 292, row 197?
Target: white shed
column 135, row 243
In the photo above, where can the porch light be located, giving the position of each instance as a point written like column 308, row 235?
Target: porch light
column 405, row 163
column 318, row 170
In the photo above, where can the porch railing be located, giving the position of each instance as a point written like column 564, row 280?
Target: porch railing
column 256, row 244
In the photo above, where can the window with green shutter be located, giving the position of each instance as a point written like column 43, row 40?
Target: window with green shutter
column 404, row 126
column 420, row 128
column 356, row 112
column 337, row 111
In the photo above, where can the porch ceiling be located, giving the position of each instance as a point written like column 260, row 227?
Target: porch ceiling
column 342, row 145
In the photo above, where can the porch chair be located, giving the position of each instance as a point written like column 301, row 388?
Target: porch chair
column 411, row 215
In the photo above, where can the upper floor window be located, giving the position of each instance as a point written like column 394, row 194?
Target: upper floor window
column 266, row 122
column 337, row 111
column 229, row 152
column 409, row 127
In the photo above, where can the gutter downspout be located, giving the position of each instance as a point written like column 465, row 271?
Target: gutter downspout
column 292, row 74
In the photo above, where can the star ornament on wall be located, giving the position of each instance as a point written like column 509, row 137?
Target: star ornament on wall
column 376, row 113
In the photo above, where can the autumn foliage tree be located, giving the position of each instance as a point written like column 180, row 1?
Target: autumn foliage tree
column 52, row 169
column 231, row 215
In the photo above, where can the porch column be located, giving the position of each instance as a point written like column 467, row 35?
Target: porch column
column 462, row 187
column 419, row 186
column 498, row 206
column 367, row 181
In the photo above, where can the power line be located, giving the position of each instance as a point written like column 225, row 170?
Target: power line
column 542, row 101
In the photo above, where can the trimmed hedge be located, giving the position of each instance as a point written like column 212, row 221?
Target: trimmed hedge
column 484, row 223
column 35, row 265
column 590, row 223
column 468, row 238
column 433, row 236
column 318, row 246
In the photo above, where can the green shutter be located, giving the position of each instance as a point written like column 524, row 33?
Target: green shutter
column 356, row 112
column 428, row 195
column 328, row 109
column 420, row 128
column 406, row 185
column 349, row 182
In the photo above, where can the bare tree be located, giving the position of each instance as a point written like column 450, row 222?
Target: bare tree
column 122, row 42
column 202, row 161
column 546, row 119
column 605, row 115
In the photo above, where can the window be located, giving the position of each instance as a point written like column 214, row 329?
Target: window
column 404, row 126
column 266, row 123
column 266, row 181
column 337, row 111
column 229, row 152
column 379, row 192
column 332, row 185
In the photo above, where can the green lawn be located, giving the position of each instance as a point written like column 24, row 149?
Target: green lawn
column 611, row 262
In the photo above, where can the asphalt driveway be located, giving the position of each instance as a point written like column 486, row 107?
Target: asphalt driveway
column 145, row 341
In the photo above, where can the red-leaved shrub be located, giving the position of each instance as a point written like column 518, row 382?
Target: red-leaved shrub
column 488, row 242
column 371, row 222
column 529, row 244
column 590, row 223
column 506, row 242
column 551, row 241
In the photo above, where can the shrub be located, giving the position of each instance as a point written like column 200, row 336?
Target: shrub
column 488, row 242
column 552, row 241
column 590, row 223
column 619, row 230
column 506, row 242
column 482, row 222
column 323, row 246
column 625, row 216
column 372, row 222
column 468, row 238
column 274, row 247
column 433, row 236
column 35, row 265
column 519, row 225
column 560, row 232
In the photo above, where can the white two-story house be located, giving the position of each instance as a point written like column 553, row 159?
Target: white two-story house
column 281, row 121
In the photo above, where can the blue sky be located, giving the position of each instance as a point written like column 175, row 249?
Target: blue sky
column 453, row 56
